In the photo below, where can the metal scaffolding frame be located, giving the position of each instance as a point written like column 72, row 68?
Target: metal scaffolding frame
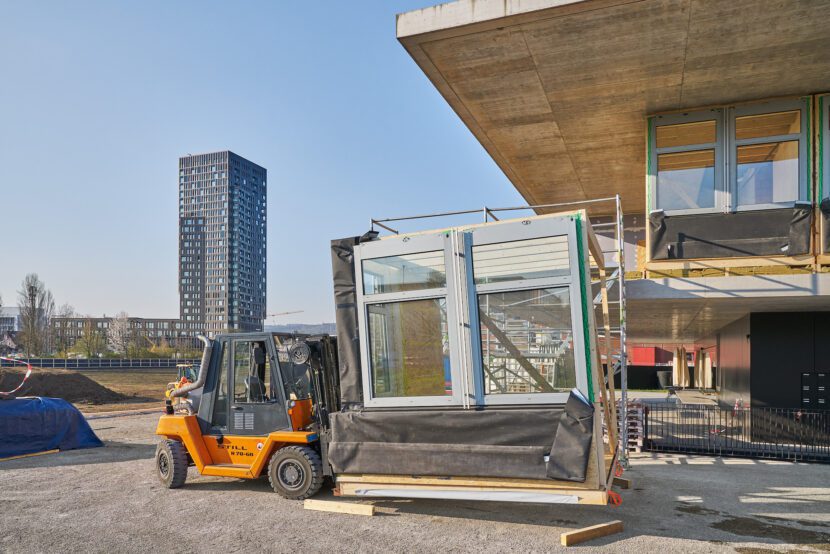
column 616, row 358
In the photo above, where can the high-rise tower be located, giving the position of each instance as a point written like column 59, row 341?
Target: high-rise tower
column 222, row 260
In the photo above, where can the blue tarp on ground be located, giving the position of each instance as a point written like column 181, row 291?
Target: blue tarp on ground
column 29, row 425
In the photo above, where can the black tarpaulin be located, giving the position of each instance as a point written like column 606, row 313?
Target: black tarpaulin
column 482, row 443
column 345, row 306
column 572, row 445
column 498, row 427
column 773, row 232
column 463, row 460
column 801, row 224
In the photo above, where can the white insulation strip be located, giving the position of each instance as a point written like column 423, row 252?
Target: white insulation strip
column 496, row 496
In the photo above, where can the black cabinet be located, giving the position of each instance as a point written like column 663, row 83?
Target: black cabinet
column 790, row 360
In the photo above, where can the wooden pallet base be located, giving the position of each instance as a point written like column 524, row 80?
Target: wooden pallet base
column 518, row 490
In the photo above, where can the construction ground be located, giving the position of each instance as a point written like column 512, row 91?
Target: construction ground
column 109, row 499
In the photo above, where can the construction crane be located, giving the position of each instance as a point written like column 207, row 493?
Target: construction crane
column 286, row 313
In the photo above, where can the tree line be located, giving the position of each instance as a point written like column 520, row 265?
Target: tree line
column 39, row 337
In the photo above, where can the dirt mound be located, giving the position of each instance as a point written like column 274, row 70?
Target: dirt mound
column 69, row 385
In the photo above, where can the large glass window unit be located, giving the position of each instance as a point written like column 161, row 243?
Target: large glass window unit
column 736, row 158
column 409, row 345
column 481, row 315
column 405, row 292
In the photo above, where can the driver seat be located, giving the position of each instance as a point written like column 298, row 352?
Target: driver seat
column 256, row 389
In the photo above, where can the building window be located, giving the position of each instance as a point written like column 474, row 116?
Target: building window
column 736, row 158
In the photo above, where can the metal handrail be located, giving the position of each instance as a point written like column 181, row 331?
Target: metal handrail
column 486, row 211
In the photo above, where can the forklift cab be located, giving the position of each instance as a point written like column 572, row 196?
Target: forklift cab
column 264, row 406
column 248, row 391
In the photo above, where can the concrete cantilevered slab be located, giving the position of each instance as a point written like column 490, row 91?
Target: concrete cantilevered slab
column 557, row 90
column 689, row 310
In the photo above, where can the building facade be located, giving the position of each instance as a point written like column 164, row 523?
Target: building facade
column 145, row 332
column 9, row 320
column 716, row 141
column 222, row 243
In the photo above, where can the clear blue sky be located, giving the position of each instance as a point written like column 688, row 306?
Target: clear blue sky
column 98, row 99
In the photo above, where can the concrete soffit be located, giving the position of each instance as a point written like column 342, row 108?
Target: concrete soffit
column 557, row 91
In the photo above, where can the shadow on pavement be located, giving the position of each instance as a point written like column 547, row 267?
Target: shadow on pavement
column 111, row 452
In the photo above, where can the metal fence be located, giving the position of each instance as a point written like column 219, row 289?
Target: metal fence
column 100, row 363
column 774, row 433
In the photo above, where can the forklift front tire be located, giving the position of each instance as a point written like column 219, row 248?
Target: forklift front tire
column 171, row 463
column 295, row 472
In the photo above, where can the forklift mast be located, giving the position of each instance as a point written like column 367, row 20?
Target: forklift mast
column 321, row 359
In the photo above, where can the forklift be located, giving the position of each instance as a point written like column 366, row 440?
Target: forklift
column 259, row 406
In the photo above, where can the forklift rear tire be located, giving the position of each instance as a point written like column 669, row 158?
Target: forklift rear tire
column 171, row 463
column 295, row 472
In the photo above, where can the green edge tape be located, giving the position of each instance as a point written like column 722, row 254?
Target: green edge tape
column 820, row 149
column 808, row 101
column 584, row 293
column 649, row 162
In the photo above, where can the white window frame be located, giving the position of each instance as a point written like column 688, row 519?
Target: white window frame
column 715, row 115
column 398, row 247
column 726, row 149
column 525, row 230
column 803, row 152
column 461, row 294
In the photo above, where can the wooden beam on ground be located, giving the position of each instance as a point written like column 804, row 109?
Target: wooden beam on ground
column 622, row 482
column 29, row 455
column 589, row 533
column 339, row 507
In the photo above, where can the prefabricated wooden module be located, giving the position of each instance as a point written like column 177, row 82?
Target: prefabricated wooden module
column 409, row 430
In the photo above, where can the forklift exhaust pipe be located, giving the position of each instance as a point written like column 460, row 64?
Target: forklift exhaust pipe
column 203, row 370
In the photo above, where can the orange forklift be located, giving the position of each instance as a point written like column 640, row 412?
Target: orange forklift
column 259, row 405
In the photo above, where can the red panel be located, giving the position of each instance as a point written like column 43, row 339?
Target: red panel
column 642, row 355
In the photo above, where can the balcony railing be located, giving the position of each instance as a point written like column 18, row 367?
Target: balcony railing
column 774, row 433
column 100, row 363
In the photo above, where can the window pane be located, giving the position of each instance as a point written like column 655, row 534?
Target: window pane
column 407, row 272
column 409, row 348
column 686, row 180
column 220, row 404
column 768, row 173
column 686, row 134
column 527, row 343
column 522, row 259
column 768, row 125
column 250, row 372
